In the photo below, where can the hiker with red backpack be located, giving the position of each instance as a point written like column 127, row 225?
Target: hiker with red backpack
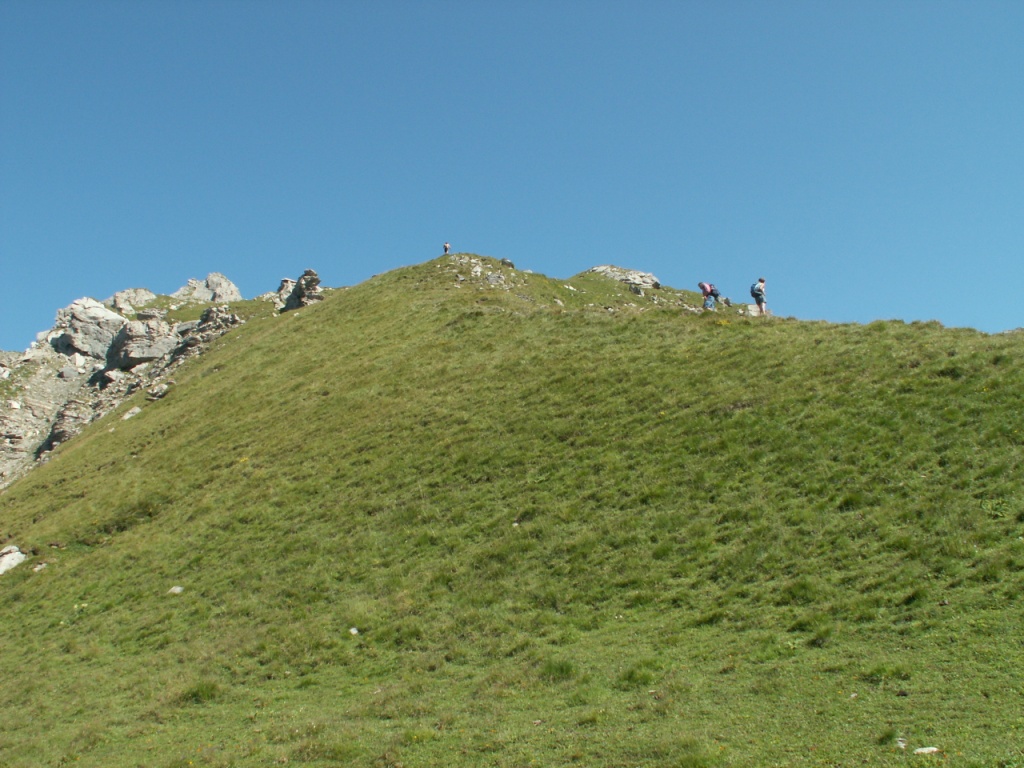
column 711, row 295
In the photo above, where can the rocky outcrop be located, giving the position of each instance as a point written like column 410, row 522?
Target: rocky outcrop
column 306, row 291
column 36, row 386
column 284, row 292
column 628, row 276
column 215, row 287
column 86, row 327
column 474, row 270
column 90, row 361
column 214, row 322
column 141, row 341
column 133, row 365
column 131, row 300
column 70, row 419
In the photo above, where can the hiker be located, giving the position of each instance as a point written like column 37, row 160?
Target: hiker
column 711, row 295
column 447, row 247
column 757, row 292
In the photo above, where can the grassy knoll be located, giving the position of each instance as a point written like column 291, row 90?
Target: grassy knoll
column 431, row 523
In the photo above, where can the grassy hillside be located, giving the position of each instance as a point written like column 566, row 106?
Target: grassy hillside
column 431, row 523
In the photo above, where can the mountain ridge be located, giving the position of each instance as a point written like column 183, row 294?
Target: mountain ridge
column 437, row 521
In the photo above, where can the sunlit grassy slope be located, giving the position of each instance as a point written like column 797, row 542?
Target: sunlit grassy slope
column 433, row 523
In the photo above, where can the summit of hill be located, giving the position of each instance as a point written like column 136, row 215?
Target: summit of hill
column 463, row 514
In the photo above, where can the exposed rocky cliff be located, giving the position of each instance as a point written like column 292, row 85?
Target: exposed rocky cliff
column 99, row 353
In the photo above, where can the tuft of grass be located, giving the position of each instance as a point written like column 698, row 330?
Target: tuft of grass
column 557, row 670
column 201, row 692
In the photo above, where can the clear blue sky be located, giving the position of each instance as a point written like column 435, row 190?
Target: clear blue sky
column 867, row 158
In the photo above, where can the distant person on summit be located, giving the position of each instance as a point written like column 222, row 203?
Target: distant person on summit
column 447, row 247
column 757, row 293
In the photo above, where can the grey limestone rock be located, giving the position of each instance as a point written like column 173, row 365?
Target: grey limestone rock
column 284, row 292
column 128, row 301
column 10, row 557
column 306, row 291
column 628, row 276
column 70, row 420
column 90, row 361
column 87, row 327
column 216, row 287
column 141, row 341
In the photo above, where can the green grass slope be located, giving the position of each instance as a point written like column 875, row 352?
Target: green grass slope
column 433, row 522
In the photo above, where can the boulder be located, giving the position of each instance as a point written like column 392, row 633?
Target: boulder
column 87, row 327
column 141, row 341
column 159, row 391
column 10, row 557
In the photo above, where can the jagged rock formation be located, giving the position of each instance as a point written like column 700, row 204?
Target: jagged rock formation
column 133, row 363
column 215, row 288
column 304, row 292
column 90, row 361
column 87, row 327
column 129, row 301
column 214, row 322
column 35, row 387
column 280, row 297
column 141, row 341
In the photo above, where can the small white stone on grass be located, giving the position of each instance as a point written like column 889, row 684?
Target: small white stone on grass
column 10, row 557
column 175, row 590
column 353, row 631
column 926, row 750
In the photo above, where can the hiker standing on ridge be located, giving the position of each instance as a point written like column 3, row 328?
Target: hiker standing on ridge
column 447, row 247
column 757, row 292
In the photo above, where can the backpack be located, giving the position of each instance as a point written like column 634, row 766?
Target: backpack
column 755, row 291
